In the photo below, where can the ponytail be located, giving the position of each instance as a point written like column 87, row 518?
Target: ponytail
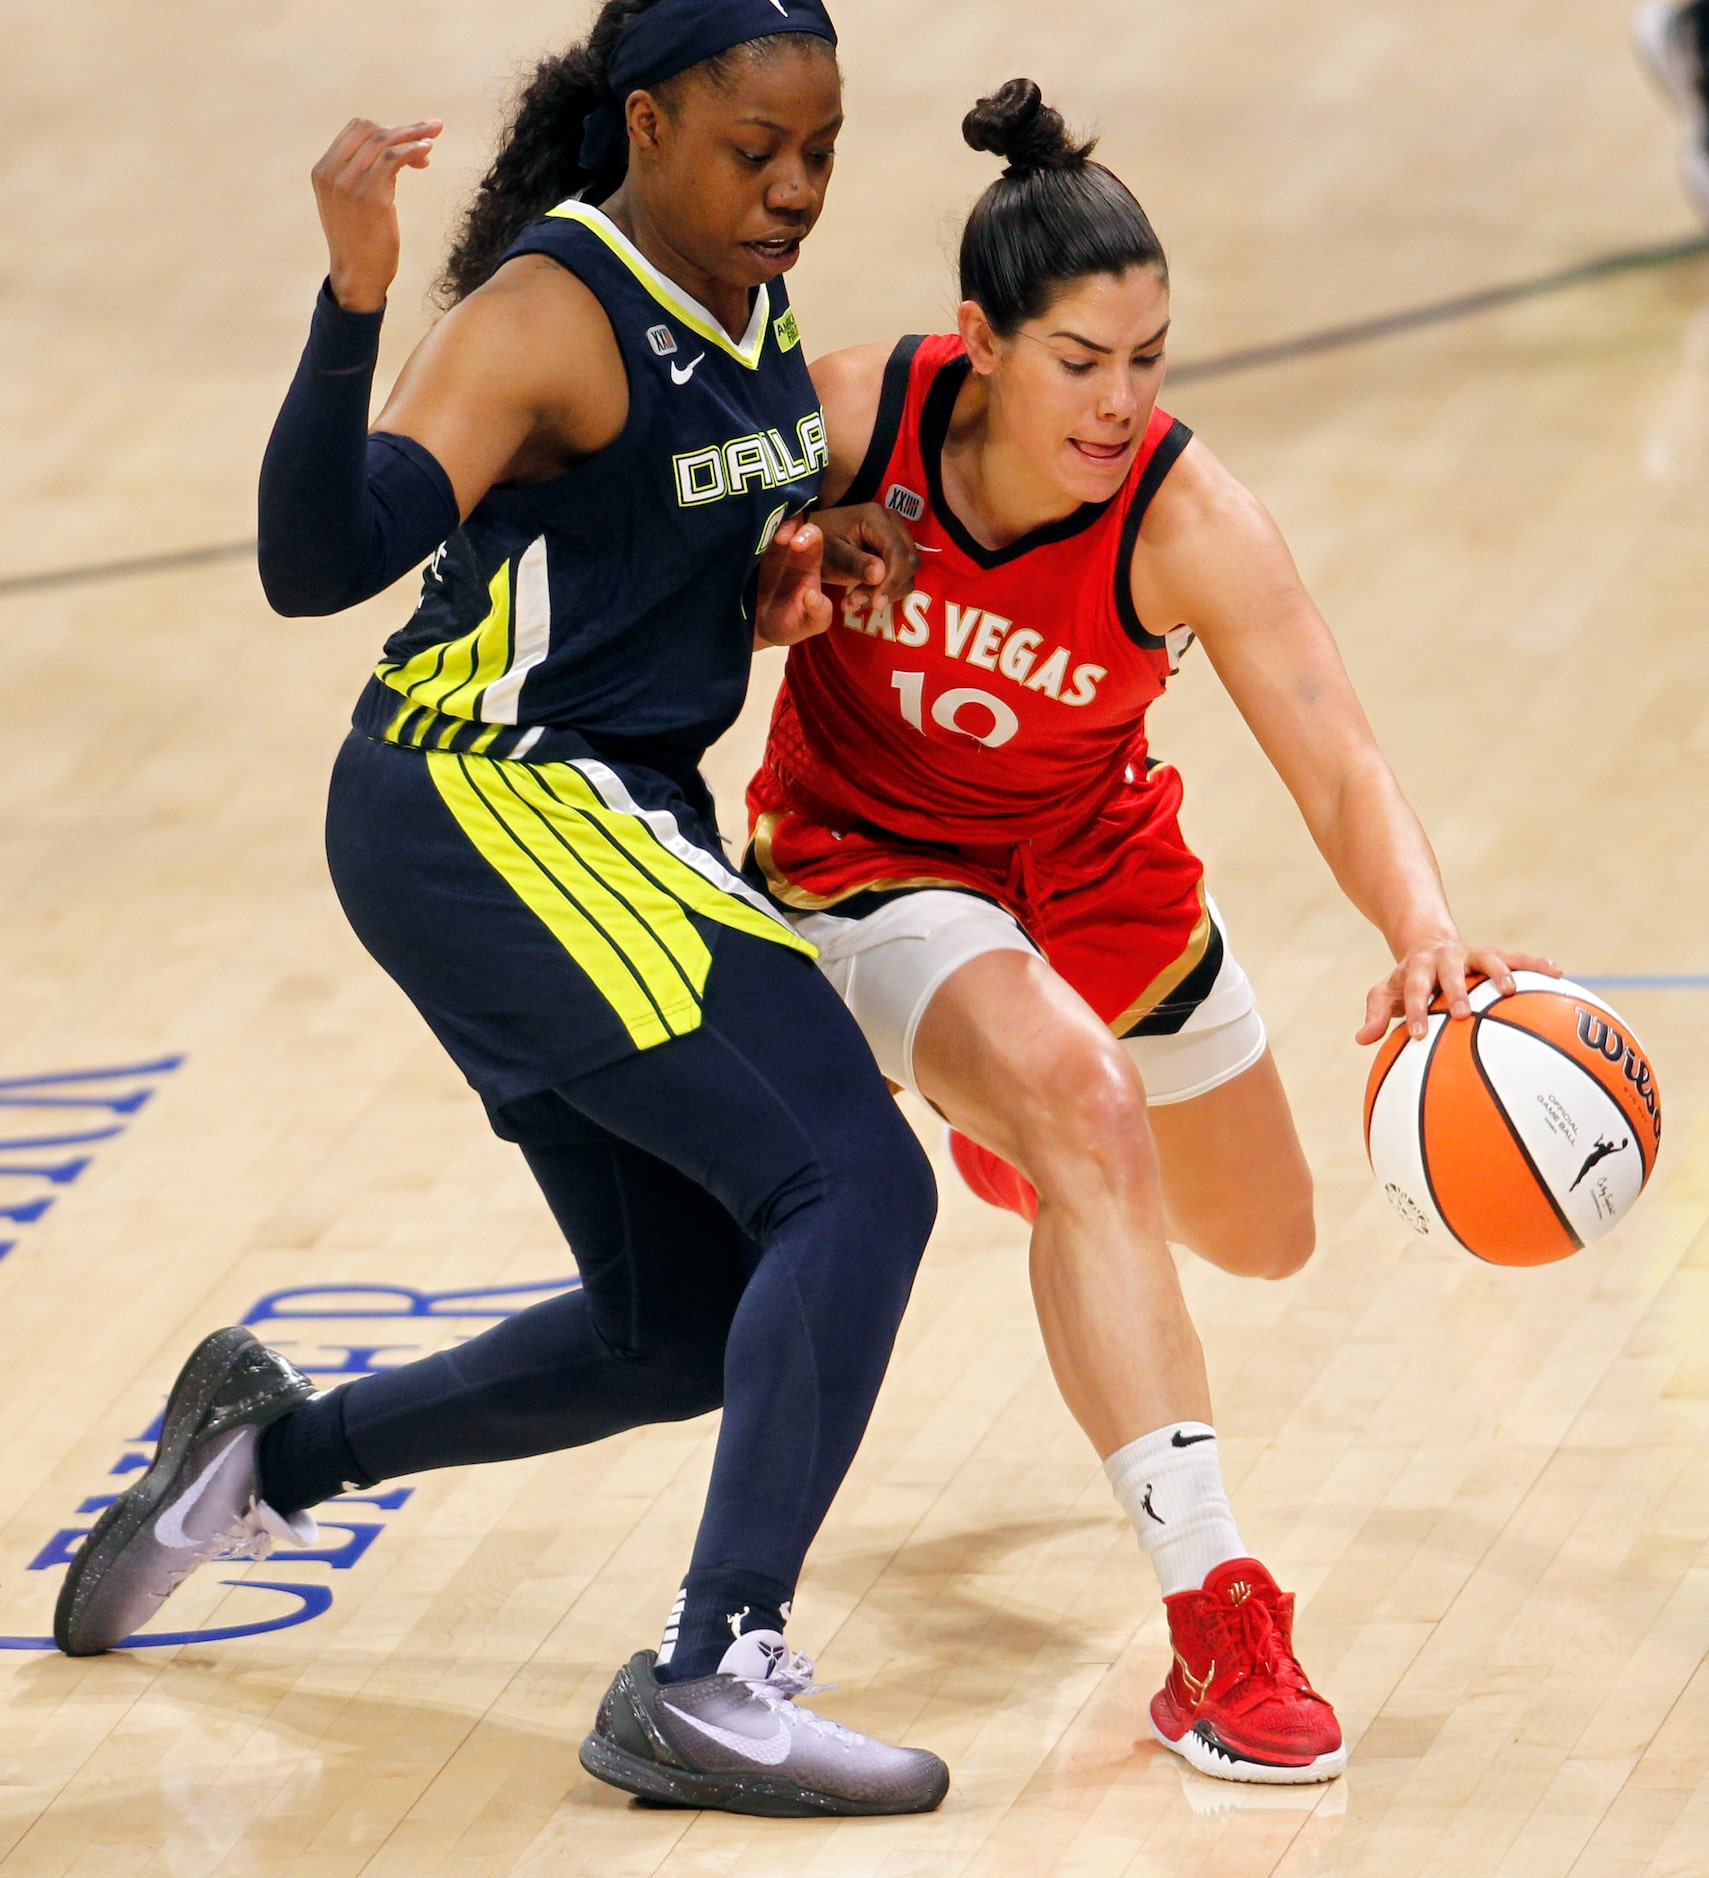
column 539, row 159
column 1052, row 218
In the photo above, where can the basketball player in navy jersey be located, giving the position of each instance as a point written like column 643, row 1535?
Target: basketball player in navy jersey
column 596, row 446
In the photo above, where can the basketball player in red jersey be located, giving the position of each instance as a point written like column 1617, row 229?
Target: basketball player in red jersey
column 958, row 808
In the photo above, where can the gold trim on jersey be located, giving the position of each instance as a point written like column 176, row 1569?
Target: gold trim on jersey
column 784, row 889
column 602, row 882
column 745, row 351
column 1173, row 974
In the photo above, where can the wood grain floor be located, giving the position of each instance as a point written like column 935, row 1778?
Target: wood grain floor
column 1491, row 1489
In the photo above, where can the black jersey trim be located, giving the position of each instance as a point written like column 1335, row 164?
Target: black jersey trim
column 934, row 432
column 1163, row 460
column 892, row 402
column 1169, row 1018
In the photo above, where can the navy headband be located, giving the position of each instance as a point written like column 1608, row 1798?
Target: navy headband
column 675, row 34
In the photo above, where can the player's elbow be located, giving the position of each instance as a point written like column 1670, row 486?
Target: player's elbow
column 296, row 589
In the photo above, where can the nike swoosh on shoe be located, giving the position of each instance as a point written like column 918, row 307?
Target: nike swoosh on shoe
column 169, row 1527
column 769, row 1751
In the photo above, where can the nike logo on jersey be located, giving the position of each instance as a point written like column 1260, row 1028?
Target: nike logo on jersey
column 681, row 374
column 1179, row 1440
column 169, row 1527
column 781, row 8
column 768, row 1750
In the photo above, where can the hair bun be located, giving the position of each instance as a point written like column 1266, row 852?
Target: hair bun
column 1017, row 125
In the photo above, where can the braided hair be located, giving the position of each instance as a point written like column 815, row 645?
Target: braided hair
column 1053, row 217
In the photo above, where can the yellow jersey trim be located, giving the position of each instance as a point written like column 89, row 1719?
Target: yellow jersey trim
column 683, row 306
column 453, row 676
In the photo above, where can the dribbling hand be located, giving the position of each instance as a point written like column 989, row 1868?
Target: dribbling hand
column 356, row 185
column 1446, row 963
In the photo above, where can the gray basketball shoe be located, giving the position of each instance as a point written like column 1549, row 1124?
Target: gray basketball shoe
column 737, row 1742
column 198, row 1501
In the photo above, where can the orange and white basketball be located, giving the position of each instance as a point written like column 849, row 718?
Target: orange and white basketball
column 1521, row 1133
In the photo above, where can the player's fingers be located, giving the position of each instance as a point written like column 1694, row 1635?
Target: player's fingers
column 388, row 147
column 1451, row 976
column 1527, row 962
column 388, row 136
column 1417, row 986
column 1379, row 1009
column 1495, row 967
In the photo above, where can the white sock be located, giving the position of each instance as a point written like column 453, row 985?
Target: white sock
column 1170, row 1485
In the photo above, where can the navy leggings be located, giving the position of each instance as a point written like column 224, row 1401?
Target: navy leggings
column 747, row 1209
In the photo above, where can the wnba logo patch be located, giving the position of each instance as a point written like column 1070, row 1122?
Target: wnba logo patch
column 662, row 340
column 904, row 501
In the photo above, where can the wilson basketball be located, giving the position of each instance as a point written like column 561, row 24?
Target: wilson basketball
column 1521, row 1133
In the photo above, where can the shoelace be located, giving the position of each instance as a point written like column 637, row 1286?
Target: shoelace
column 1251, row 1629
column 789, row 1678
column 249, row 1538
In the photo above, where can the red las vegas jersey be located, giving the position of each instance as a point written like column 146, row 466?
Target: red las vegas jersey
column 1005, row 698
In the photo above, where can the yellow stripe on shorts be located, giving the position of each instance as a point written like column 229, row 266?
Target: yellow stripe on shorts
column 632, row 835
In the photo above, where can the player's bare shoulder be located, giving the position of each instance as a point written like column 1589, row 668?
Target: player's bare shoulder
column 850, row 385
column 1204, row 531
column 530, row 356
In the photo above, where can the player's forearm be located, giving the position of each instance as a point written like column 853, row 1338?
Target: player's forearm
column 1381, row 857
column 343, row 515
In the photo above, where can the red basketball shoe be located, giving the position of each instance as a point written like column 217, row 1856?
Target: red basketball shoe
column 992, row 1178
column 1237, row 1703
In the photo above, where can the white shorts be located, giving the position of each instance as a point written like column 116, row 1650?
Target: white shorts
column 889, row 966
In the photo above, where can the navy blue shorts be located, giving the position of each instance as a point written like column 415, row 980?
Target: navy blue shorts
column 548, row 916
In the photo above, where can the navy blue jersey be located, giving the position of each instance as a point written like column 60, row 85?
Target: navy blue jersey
column 616, row 600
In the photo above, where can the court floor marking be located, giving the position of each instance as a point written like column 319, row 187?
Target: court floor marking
column 1194, row 371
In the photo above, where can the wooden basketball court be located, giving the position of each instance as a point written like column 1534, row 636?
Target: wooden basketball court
column 1490, row 1488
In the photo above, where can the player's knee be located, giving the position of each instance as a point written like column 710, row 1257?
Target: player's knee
column 685, row 1369
column 899, row 1189
column 1292, row 1239
column 1089, row 1107
column 1275, row 1240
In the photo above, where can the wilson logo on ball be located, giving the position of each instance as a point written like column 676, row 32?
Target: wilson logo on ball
column 1596, row 1033
column 1523, row 1132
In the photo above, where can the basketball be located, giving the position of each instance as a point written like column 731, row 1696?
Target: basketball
column 1521, row 1133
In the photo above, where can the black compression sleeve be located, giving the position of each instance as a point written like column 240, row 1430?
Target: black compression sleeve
column 343, row 514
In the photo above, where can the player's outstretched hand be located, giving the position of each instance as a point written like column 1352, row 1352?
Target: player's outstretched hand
column 867, row 546
column 356, row 186
column 1449, row 965
column 792, row 604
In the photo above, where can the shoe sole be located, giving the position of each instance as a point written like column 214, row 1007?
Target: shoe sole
column 1199, row 1754
column 762, row 1795
column 197, row 1385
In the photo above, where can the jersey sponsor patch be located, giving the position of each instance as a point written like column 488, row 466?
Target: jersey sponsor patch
column 788, row 332
column 662, row 340
column 904, row 501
